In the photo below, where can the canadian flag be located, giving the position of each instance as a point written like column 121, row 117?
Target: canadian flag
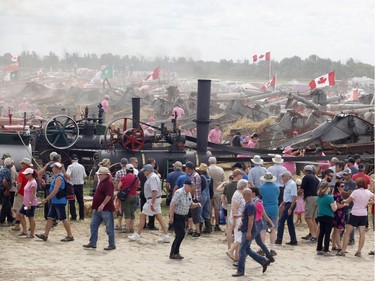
column 14, row 58
column 270, row 83
column 323, row 81
column 153, row 75
column 266, row 56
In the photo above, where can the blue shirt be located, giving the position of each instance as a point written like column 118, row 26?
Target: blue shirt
column 255, row 174
column 181, row 180
column 5, row 174
column 248, row 211
column 290, row 191
column 270, row 196
column 172, row 179
column 278, row 170
column 324, row 205
column 54, row 199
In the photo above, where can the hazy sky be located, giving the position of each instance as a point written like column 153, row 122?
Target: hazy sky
column 205, row 29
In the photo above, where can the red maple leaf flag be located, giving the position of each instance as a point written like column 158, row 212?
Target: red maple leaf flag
column 261, row 57
column 153, row 75
column 270, row 83
column 323, row 81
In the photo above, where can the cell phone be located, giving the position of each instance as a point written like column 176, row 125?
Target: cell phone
column 269, row 229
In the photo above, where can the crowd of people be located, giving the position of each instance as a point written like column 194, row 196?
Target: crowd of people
column 254, row 200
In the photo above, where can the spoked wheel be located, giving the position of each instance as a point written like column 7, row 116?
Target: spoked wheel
column 61, row 132
column 121, row 131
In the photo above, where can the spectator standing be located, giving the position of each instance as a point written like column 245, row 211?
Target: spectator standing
column 76, row 174
column 103, row 207
column 215, row 134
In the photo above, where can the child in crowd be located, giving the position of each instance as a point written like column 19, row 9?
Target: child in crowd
column 300, row 206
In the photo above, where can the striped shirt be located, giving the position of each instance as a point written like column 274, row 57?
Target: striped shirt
column 77, row 173
column 182, row 201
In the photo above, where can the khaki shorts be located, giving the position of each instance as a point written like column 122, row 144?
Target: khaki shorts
column 147, row 207
column 17, row 203
column 216, row 201
column 310, row 207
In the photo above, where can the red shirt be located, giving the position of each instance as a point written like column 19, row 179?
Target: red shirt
column 127, row 180
column 21, row 178
column 104, row 189
column 365, row 177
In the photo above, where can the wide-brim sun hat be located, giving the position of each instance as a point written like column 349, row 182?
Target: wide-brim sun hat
column 257, row 160
column 103, row 171
column 277, row 159
column 268, row 177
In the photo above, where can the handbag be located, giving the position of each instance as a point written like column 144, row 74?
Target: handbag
column 123, row 193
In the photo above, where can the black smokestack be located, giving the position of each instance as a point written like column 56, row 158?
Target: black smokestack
column 136, row 109
column 203, row 114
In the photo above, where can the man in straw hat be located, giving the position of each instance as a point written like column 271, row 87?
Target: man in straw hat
column 277, row 169
column 103, row 207
column 270, row 192
column 256, row 172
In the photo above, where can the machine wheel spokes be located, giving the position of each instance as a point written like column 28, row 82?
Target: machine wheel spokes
column 61, row 132
column 120, row 131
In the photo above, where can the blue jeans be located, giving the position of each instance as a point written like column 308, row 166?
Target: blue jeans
column 246, row 250
column 97, row 219
column 205, row 202
column 290, row 222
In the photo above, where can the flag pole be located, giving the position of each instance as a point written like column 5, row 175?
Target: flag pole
column 269, row 70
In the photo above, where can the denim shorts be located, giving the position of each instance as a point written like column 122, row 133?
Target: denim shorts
column 29, row 212
column 274, row 220
column 57, row 211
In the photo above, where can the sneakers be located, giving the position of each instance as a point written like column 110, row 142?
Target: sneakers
column 260, row 252
column 67, row 239
column 195, row 235
column 134, row 237
column 340, row 254
column 42, row 236
column 320, row 253
column 164, row 239
column 312, row 240
column 217, row 228
column 307, row 237
column 292, row 243
column 278, row 242
column 328, row 254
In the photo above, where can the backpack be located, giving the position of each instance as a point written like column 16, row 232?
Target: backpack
column 68, row 191
column 123, row 193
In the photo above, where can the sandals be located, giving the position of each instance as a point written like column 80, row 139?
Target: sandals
column 340, row 254
column 22, row 234
column 29, row 236
column 42, row 236
column 358, row 254
column 67, row 239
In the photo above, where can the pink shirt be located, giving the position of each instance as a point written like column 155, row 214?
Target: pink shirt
column 214, row 136
column 180, row 111
column 259, row 209
column 290, row 166
column 105, row 105
column 28, row 191
column 250, row 144
column 360, row 200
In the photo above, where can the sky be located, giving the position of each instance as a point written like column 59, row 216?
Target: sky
column 202, row 30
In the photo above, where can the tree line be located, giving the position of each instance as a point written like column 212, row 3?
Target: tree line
column 288, row 68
